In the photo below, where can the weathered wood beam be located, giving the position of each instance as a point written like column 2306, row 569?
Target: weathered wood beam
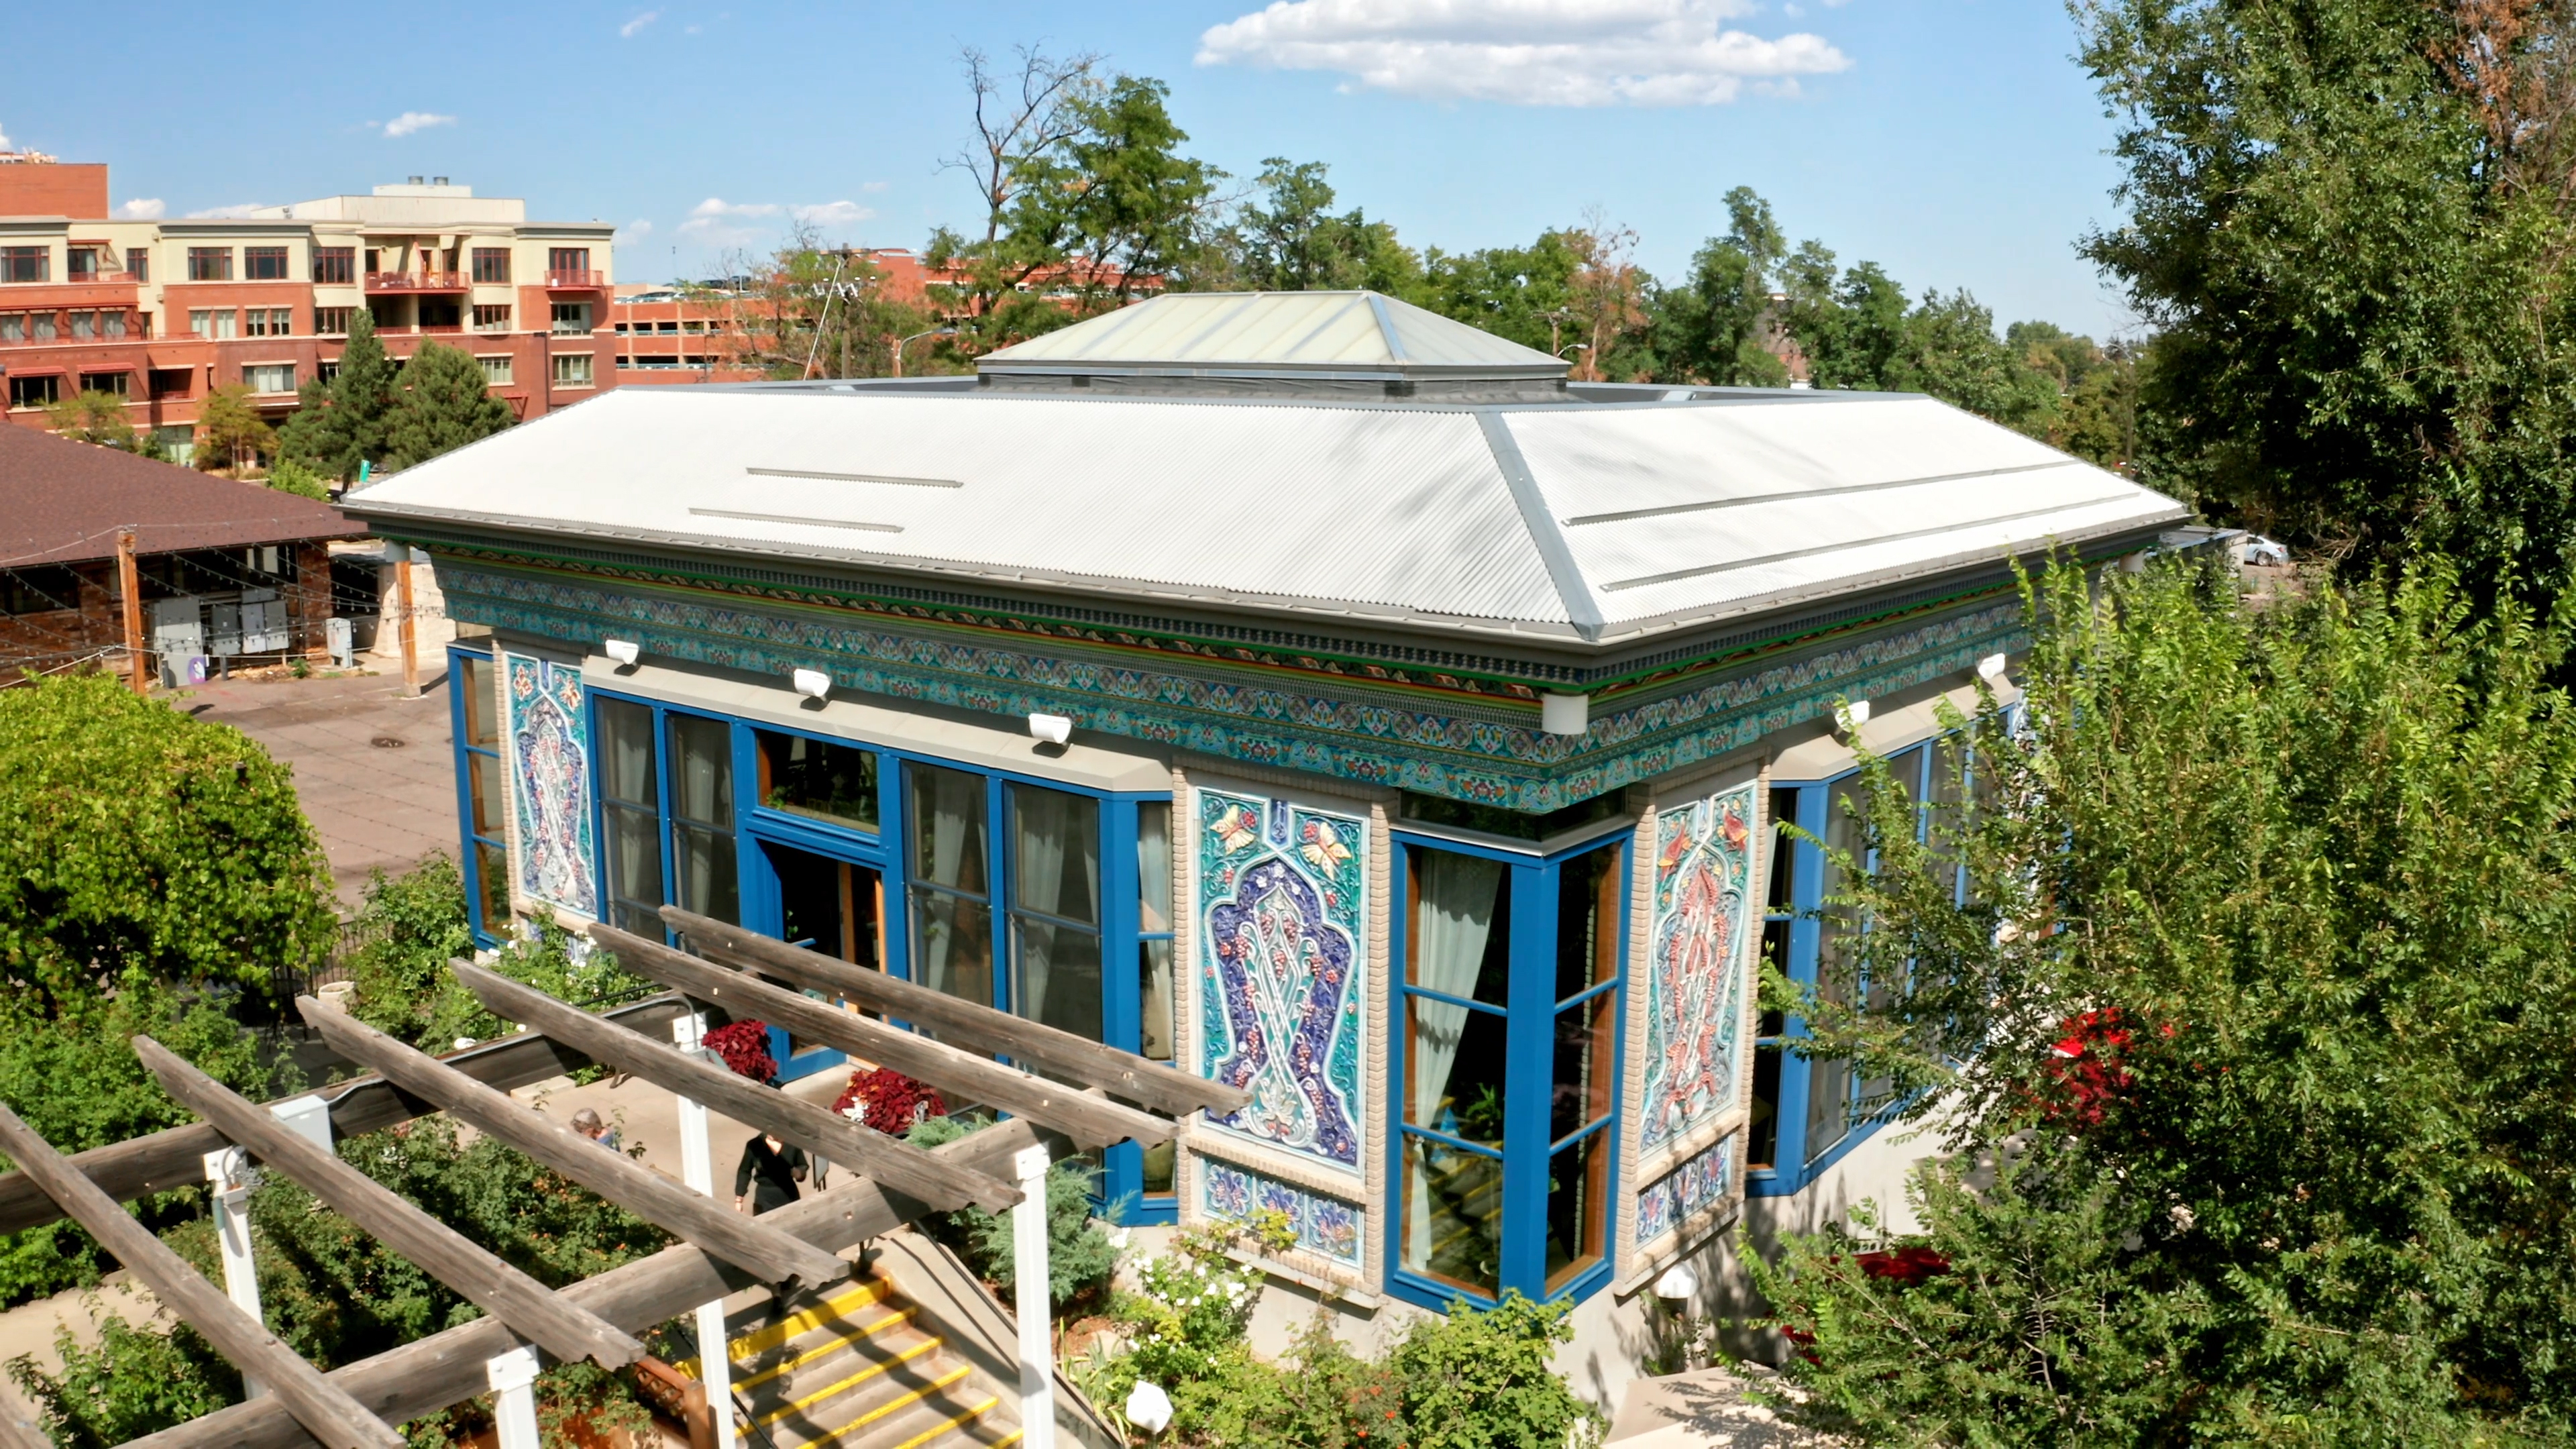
column 1092, row 1121
column 176, row 1157
column 530, row 1308
column 1080, row 1059
column 324, row 1409
column 428, row 1374
column 845, row 1143
column 775, row 1256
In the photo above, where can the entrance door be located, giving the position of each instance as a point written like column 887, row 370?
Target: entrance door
column 834, row 907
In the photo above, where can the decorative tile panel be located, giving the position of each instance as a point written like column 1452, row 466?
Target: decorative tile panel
column 549, row 727
column 1695, row 962
column 1282, row 969
column 1699, row 1183
column 1326, row 1227
column 1459, row 747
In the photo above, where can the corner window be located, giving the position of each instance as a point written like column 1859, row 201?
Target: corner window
column 474, row 716
column 818, row 779
column 703, row 874
column 1055, row 908
column 952, row 909
column 1507, row 1024
column 630, row 807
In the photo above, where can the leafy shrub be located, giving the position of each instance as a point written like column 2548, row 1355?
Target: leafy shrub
column 887, row 1101
column 138, row 1380
column 744, row 1046
column 1080, row 1253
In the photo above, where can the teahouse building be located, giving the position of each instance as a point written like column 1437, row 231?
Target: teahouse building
column 1303, row 689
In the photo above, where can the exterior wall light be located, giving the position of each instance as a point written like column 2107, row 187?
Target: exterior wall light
column 1678, row 1284
column 1052, row 729
column 1991, row 667
column 813, row 683
column 1565, row 714
column 1850, row 717
column 624, row 651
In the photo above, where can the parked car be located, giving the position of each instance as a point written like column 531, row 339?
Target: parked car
column 2257, row 549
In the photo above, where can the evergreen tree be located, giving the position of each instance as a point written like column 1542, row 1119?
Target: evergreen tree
column 342, row 423
column 441, row 402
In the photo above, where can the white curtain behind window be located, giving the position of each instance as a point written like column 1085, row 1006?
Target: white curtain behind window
column 1452, row 920
column 1057, row 874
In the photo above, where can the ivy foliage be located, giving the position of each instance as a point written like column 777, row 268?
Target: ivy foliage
column 2251, row 1036
column 142, row 846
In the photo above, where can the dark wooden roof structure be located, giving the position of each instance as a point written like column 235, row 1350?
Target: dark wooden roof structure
column 1095, row 1095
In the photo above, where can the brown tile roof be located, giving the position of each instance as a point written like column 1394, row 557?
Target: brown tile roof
column 63, row 502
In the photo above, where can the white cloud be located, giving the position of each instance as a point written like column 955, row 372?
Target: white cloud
column 224, row 213
column 716, row 206
column 143, row 208
column 1527, row 52
column 831, row 213
column 410, row 121
column 4, row 142
column 633, row 232
column 627, row 30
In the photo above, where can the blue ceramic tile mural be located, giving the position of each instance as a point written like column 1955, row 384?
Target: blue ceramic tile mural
column 1695, row 972
column 1282, row 969
column 1326, row 1227
column 550, row 784
column 1698, row 1183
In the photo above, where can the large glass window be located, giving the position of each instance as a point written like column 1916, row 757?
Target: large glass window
column 819, row 779
column 1055, row 908
column 630, row 803
column 951, row 889
column 1508, row 1010
column 703, row 873
column 475, row 719
column 1154, row 961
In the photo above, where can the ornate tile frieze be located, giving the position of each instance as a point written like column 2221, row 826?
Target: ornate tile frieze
column 1327, row 1227
column 1474, row 751
column 1671, row 1201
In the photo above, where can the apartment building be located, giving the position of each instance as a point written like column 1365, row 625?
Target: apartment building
column 162, row 312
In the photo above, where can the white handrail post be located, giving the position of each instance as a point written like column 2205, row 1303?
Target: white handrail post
column 698, row 1170
column 228, row 1178
column 1029, row 1268
column 513, row 1377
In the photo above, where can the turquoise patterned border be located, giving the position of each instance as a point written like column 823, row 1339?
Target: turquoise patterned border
column 1494, row 760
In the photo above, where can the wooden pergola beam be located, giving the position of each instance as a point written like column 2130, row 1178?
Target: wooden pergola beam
column 774, row 1256
column 428, row 1374
column 324, row 1409
column 176, row 1157
column 844, row 1142
column 1091, row 1121
column 528, row 1306
column 1087, row 1062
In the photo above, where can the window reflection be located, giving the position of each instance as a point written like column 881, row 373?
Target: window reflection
column 952, row 920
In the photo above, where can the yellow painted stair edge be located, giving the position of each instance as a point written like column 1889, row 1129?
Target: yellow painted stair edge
column 977, row 1412
column 906, row 1355
column 900, row 1401
column 837, row 1306
column 869, row 1330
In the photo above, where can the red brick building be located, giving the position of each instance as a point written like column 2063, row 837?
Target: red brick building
column 228, row 570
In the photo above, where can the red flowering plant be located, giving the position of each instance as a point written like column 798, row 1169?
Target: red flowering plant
column 885, row 1100
column 744, row 1046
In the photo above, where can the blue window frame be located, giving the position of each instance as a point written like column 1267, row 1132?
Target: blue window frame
column 1007, row 890
column 1509, row 994
column 1808, row 1114
column 474, row 724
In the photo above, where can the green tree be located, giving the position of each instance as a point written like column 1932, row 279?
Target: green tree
column 827, row 308
column 2250, row 1039
column 2348, row 225
column 93, row 416
column 1716, row 325
column 1114, row 204
column 1289, row 240
column 290, row 474
column 1951, row 351
column 441, row 402
column 342, row 423
column 142, row 845
column 230, row 431
column 1521, row 293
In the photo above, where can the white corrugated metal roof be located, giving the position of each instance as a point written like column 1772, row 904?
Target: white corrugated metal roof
column 1360, row 331
column 1570, row 519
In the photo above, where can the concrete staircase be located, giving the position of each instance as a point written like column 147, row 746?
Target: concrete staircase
column 859, row 1370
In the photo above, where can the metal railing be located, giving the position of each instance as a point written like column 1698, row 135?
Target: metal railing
column 575, row 277
column 415, row 281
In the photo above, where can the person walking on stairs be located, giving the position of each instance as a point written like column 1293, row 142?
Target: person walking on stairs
column 768, row 1174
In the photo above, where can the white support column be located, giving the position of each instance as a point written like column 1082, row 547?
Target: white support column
column 1029, row 1268
column 698, row 1170
column 513, row 1377
column 228, row 1178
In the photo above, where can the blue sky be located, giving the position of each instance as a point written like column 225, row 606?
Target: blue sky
column 1953, row 141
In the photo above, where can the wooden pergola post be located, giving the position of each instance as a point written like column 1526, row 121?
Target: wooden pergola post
column 698, row 1170
column 513, row 1377
column 228, row 1182
column 1032, row 1302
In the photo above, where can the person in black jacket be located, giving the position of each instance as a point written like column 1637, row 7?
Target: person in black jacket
column 768, row 1174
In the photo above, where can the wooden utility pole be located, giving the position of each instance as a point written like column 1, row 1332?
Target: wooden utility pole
column 410, row 627
column 130, row 583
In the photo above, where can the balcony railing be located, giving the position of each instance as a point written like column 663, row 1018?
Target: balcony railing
column 100, row 279
column 436, row 328
column 575, row 277
column 415, row 281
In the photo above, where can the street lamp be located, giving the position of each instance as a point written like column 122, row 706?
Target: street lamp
column 902, row 343
column 1574, row 347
